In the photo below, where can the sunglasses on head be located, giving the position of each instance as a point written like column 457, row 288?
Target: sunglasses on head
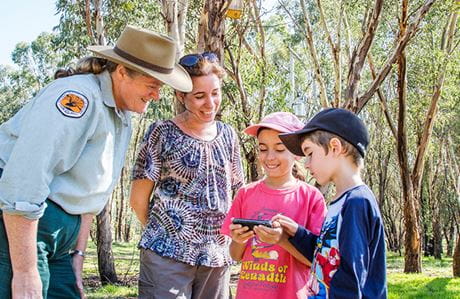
column 192, row 59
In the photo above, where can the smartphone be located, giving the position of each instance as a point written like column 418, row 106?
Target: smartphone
column 251, row 222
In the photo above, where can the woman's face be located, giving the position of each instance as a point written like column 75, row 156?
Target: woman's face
column 204, row 100
column 134, row 92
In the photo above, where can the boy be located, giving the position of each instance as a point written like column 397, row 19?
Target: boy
column 349, row 253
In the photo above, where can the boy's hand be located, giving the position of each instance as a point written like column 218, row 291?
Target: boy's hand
column 289, row 226
column 240, row 234
column 269, row 235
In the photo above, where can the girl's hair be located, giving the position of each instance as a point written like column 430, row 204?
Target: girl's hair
column 322, row 138
column 91, row 65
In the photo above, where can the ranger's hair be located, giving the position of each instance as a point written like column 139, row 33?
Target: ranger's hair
column 91, row 65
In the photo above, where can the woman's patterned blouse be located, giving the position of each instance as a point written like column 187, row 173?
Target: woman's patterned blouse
column 194, row 184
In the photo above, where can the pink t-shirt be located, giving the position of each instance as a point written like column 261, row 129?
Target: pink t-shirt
column 269, row 271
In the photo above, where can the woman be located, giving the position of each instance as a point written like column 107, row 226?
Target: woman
column 61, row 156
column 187, row 169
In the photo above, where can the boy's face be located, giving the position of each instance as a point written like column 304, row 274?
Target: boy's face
column 274, row 157
column 320, row 164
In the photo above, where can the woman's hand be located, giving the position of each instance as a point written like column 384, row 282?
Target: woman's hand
column 77, row 265
column 289, row 226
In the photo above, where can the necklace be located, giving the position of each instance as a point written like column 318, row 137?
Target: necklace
column 207, row 133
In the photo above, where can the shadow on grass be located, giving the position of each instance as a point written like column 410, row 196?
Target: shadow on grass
column 436, row 288
column 419, row 286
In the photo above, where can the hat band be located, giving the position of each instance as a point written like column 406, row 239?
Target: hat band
column 141, row 62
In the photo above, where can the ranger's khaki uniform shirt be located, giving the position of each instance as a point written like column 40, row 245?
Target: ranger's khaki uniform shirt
column 67, row 144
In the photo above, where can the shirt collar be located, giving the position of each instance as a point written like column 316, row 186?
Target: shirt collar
column 107, row 96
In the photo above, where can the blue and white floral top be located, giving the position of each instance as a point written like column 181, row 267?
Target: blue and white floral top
column 194, row 184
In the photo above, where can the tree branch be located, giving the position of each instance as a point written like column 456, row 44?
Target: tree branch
column 401, row 45
column 359, row 56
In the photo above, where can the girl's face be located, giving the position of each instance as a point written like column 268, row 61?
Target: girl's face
column 204, row 100
column 274, row 157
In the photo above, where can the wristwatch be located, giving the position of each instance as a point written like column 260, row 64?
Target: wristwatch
column 77, row 252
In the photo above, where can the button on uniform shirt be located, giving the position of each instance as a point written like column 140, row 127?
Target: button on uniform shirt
column 67, row 144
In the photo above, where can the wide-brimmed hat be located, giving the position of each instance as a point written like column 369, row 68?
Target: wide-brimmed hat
column 149, row 53
column 340, row 122
column 283, row 122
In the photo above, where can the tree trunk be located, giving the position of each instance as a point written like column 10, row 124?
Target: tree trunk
column 174, row 14
column 437, row 238
column 359, row 56
column 435, row 202
column 308, row 32
column 121, row 207
column 104, row 232
column 449, row 235
column 456, row 259
column 211, row 28
column 412, row 242
column 105, row 259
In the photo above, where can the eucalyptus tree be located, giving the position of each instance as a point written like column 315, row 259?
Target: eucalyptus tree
column 331, row 28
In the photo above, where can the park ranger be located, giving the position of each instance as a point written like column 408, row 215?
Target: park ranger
column 61, row 156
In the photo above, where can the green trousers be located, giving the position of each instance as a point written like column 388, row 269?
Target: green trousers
column 57, row 234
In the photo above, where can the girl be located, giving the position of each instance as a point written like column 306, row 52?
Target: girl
column 271, row 267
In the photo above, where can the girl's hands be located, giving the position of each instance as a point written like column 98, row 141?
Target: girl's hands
column 240, row 234
column 269, row 235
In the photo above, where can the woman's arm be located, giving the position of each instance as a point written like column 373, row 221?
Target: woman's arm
column 22, row 240
column 78, row 258
column 141, row 191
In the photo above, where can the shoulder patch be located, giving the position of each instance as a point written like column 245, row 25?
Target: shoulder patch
column 72, row 104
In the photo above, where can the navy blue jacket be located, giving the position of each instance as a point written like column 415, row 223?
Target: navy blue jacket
column 349, row 254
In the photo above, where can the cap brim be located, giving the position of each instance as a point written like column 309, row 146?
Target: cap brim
column 293, row 140
column 252, row 130
column 178, row 79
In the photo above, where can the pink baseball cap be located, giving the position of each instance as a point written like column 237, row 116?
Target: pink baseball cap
column 283, row 122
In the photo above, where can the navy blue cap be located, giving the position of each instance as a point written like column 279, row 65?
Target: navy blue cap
column 340, row 122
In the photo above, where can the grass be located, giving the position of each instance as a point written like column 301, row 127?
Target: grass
column 436, row 281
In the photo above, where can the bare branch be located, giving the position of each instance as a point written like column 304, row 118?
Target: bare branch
column 335, row 49
column 401, row 45
column 432, row 111
column 359, row 56
column 383, row 100
column 88, row 20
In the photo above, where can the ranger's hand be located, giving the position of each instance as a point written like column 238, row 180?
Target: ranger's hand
column 26, row 285
column 77, row 265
